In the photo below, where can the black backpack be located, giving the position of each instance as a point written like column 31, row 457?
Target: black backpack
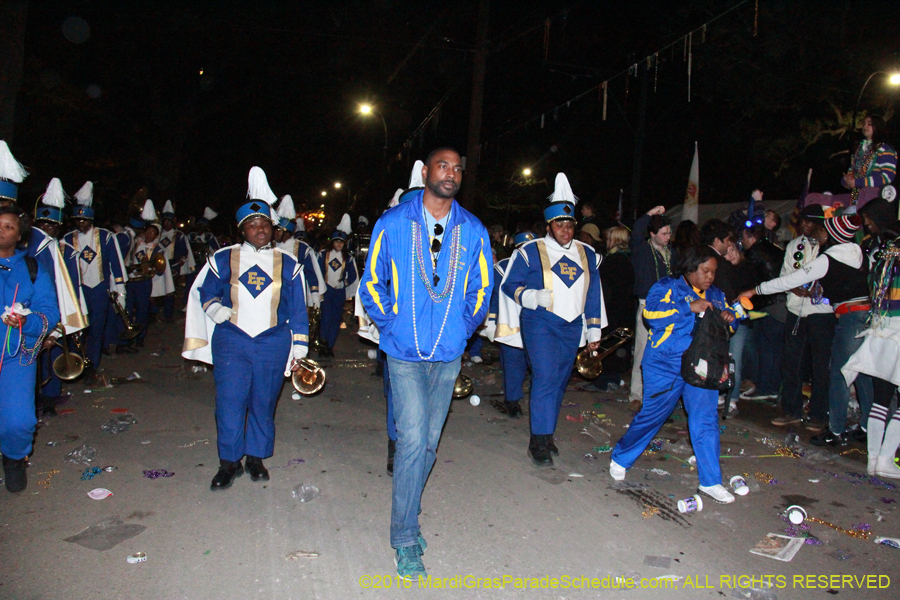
column 706, row 363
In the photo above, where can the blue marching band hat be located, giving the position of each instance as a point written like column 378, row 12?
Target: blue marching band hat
column 522, row 237
column 168, row 211
column 11, row 174
column 208, row 215
column 261, row 198
column 287, row 214
column 562, row 201
column 148, row 216
column 84, row 199
column 51, row 204
column 342, row 230
column 136, row 223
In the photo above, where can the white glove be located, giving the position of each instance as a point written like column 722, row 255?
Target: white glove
column 316, row 299
column 219, row 313
column 299, row 351
column 120, row 300
column 534, row 298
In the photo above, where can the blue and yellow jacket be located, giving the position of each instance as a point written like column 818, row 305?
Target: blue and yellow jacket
column 669, row 315
column 38, row 296
column 418, row 320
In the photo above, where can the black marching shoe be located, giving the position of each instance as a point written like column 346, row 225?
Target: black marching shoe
column 14, row 473
column 392, row 448
column 539, row 451
column 513, row 410
column 228, row 472
column 256, row 468
column 551, row 446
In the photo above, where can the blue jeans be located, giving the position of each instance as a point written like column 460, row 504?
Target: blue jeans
column 422, row 392
column 845, row 343
column 736, row 349
column 768, row 339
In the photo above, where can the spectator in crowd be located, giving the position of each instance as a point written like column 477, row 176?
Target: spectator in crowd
column 742, row 275
column 617, row 281
column 687, row 234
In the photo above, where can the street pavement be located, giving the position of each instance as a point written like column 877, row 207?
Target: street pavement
column 489, row 516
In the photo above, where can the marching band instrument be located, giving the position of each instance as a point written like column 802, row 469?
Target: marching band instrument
column 146, row 269
column 463, row 387
column 315, row 318
column 309, row 378
column 68, row 366
column 132, row 330
column 590, row 362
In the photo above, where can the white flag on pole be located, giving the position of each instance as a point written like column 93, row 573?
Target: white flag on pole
column 692, row 197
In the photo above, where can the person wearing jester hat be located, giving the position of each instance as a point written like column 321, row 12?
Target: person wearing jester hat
column 842, row 276
column 299, row 249
column 102, row 269
column 429, row 264
column 552, row 304
column 142, row 290
column 203, row 243
column 45, row 248
column 247, row 316
column 341, row 282
column 178, row 252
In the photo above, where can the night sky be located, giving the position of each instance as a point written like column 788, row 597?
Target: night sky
column 113, row 92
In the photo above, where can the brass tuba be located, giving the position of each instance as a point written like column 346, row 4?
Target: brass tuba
column 309, row 378
column 463, row 387
column 144, row 270
column 590, row 362
column 68, row 366
column 132, row 330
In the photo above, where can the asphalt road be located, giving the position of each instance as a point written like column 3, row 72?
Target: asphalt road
column 489, row 516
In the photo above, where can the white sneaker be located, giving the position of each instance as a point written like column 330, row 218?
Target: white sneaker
column 721, row 400
column 717, row 493
column 477, row 359
column 617, row 471
column 884, row 467
column 870, row 466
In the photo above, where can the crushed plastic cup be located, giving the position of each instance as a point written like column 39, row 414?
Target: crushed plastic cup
column 739, row 485
column 372, row 354
column 99, row 494
column 474, row 400
column 82, row 455
column 306, row 492
column 137, row 557
column 795, row 514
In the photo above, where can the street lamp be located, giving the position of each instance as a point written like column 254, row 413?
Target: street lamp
column 893, row 79
column 324, row 193
column 366, row 110
column 526, row 172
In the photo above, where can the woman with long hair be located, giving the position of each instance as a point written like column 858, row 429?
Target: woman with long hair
column 874, row 163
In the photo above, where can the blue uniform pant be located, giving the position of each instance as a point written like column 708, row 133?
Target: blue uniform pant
column 169, row 306
column 249, row 374
column 97, row 299
column 17, row 412
column 114, row 324
column 514, row 363
column 138, row 304
column 53, row 387
column 332, row 312
column 473, row 347
column 663, row 386
column 189, row 283
column 422, row 395
column 551, row 344
column 386, row 379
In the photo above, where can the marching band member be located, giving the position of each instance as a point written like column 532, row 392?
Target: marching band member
column 552, row 301
column 671, row 309
column 26, row 291
column 146, row 280
column 101, row 266
column 247, row 315
column 60, row 261
column 203, row 243
column 178, row 253
column 513, row 359
column 341, row 281
column 300, row 250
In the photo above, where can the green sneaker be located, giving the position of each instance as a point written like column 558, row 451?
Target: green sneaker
column 409, row 563
column 423, row 545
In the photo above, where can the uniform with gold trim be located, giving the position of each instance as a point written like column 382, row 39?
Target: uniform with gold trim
column 178, row 253
column 247, row 315
column 305, row 255
column 671, row 321
column 551, row 332
column 102, row 270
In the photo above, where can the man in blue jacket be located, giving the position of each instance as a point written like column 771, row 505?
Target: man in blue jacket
column 427, row 285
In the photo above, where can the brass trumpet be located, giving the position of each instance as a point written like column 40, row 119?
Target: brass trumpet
column 131, row 329
column 315, row 318
column 68, row 366
column 309, row 378
column 463, row 387
column 590, row 362
column 144, row 270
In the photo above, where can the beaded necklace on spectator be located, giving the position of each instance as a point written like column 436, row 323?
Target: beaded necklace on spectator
column 449, row 285
column 666, row 256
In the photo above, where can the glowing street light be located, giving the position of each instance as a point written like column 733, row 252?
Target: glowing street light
column 893, row 79
column 365, row 109
column 368, row 109
column 526, row 172
column 324, row 193
column 337, row 185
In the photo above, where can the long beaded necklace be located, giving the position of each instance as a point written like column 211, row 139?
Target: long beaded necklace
column 449, row 285
column 666, row 256
column 862, row 161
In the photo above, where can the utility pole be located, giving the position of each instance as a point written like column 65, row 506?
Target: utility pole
column 473, row 150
